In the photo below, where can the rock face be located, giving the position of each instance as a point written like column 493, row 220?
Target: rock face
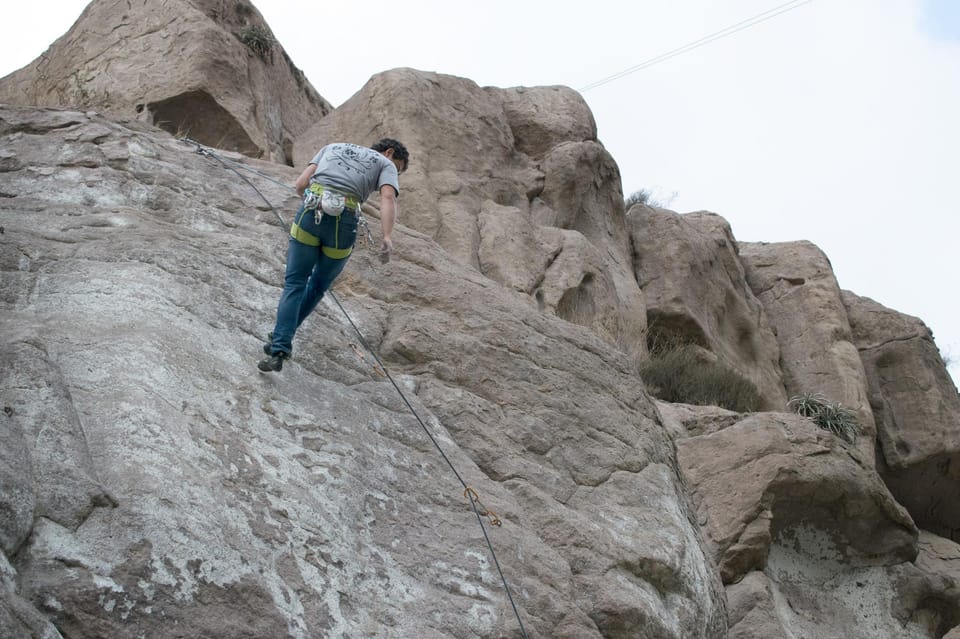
column 795, row 283
column 790, row 476
column 696, row 292
column 162, row 487
column 808, row 539
column 917, row 409
column 512, row 182
column 207, row 69
column 154, row 484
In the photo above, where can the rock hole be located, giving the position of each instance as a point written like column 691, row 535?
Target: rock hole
column 195, row 114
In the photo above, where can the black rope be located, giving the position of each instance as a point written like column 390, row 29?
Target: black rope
column 433, row 439
column 202, row 150
column 468, row 491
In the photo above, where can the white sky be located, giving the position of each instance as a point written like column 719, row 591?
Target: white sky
column 835, row 122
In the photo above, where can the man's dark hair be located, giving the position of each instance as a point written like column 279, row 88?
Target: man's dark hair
column 399, row 151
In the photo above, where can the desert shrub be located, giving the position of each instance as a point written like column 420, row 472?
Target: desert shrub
column 680, row 373
column 831, row 416
column 257, row 40
column 649, row 197
column 643, row 196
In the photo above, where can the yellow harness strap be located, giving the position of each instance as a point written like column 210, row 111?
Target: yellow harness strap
column 305, row 237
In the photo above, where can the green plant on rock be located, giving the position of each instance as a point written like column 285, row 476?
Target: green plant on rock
column 831, row 416
column 680, row 373
column 258, row 40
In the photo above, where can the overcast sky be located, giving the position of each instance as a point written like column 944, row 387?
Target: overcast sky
column 835, row 121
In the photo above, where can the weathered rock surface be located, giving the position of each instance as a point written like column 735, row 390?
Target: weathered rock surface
column 795, row 283
column 511, row 182
column 935, row 583
column 138, row 279
column 753, row 610
column 808, row 591
column 181, row 65
column 917, row 410
column 696, row 292
column 768, row 474
column 152, row 483
column 809, row 541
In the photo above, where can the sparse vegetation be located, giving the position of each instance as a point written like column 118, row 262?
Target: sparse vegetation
column 258, row 40
column 643, row 196
column 647, row 198
column 831, row 416
column 685, row 373
column 948, row 359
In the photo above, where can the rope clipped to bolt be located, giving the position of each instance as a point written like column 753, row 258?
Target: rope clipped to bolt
column 472, row 495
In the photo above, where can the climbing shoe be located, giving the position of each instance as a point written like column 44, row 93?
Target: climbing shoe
column 268, row 345
column 272, row 363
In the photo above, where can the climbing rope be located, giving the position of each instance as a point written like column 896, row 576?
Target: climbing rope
column 469, row 493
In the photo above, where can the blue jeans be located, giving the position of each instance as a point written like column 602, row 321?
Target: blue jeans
column 310, row 272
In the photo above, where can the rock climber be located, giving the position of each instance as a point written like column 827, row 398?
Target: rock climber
column 333, row 186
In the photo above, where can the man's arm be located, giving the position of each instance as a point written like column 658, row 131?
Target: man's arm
column 304, row 180
column 388, row 215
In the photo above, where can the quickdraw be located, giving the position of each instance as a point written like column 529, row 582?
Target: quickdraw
column 472, row 495
column 376, row 367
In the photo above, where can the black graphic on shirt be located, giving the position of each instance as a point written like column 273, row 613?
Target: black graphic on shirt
column 353, row 158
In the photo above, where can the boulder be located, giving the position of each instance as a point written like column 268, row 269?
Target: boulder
column 511, row 182
column 928, row 593
column 206, row 69
column 752, row 609
column 808, row 539
column 696, row 292
column 917, row 409
column 769, row 477
column 542, row 118
column 806, row 592
column 795, row 283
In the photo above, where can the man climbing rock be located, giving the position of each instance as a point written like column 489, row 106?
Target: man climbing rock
column 334, row 185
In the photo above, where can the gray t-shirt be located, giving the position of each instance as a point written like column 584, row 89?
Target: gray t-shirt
column 354, row 169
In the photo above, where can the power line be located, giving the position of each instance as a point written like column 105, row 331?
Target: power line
column 734, row 28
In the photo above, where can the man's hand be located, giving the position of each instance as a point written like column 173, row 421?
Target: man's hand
column 386, row 248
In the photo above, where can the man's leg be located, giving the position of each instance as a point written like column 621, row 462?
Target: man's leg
column 301, row 260
column 324, row 273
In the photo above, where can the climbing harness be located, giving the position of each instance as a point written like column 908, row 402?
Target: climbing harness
column 298, row 233
column 469, row 493
column 324, row 199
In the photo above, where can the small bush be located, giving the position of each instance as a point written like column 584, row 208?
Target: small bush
column 680, row 373
column 643, row 196
column 831, row 416
column 258, row 40
column 647, row 197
